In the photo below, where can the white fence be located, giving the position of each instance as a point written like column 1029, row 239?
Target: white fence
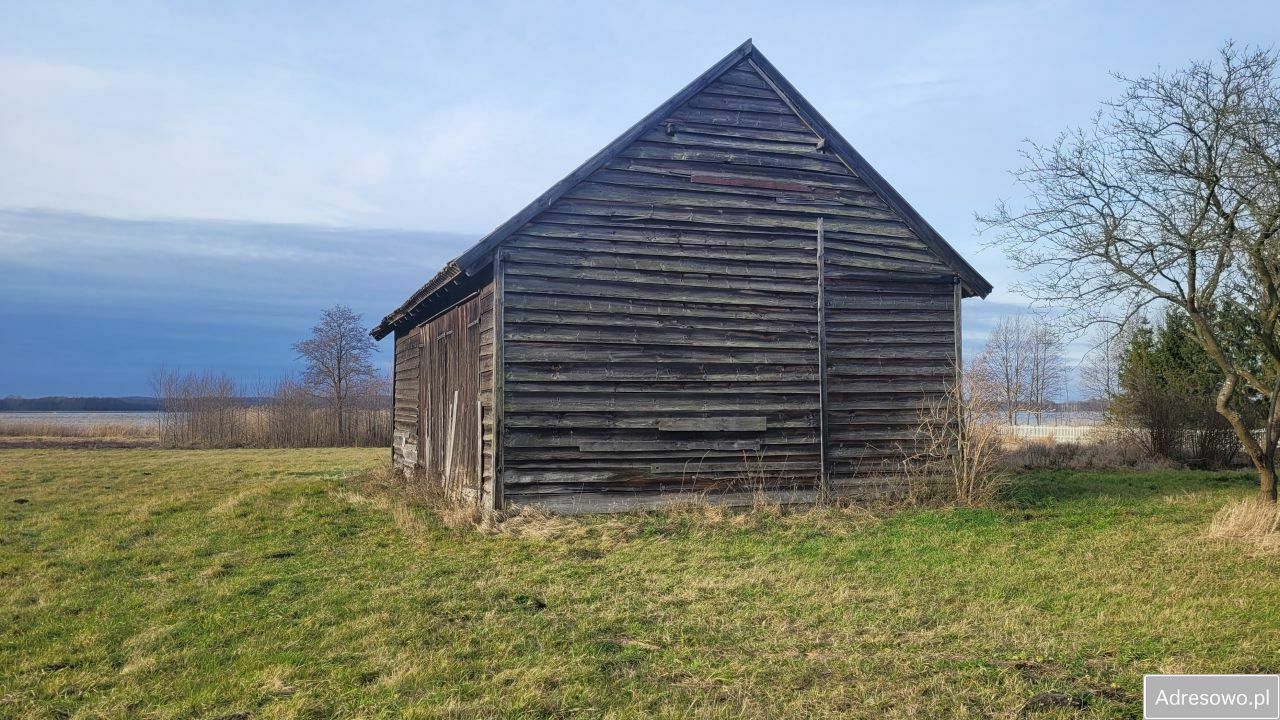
column 1058, row 433
column 1084, row 433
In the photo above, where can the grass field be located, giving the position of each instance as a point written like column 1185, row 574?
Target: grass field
column 261, row 584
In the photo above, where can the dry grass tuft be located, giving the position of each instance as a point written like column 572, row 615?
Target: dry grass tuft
column 1248, row 521
column 539, row 524
column 47, row 429
column 403, row 495
column 39, row 433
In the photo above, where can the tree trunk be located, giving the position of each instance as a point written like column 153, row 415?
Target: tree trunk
column 1267, row 484
column 1263, row 458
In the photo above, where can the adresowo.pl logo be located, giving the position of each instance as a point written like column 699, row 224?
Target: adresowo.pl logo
column 1211, row 697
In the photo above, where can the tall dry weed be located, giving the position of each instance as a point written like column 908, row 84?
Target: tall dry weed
column 1248, row 521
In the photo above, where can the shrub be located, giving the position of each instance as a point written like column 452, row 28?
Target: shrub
column 957, row 445
column 1119, row 453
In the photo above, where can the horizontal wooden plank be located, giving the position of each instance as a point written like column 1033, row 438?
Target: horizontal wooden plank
column 805, row 208
column 647, row 419
column 658, row 308
column 796, row 137
column 736, row 218
column 689, row 135
column 739, row 103
column 517, row 402
column 744, row 74
column 712, row 156
column 661, row 448
column 733, row 182
column 761, row 266
column 777, row 439
column 562, row 318
column 767, row 121
column 656, row 290
column 517, row 332
column 659, row 372
column 719, row 424
column 757, row 254
column 679, row 168
column 725, row 86
column 517, row 352
column 686, row 387
column 673, row 281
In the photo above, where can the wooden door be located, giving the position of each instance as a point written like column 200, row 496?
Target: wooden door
column 450, row 389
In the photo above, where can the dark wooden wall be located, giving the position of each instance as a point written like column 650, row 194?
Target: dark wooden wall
column 450, row 353
column 449, row 438
column 890, row 350
column 406, row 383
column 487, row 489
column 660, row 321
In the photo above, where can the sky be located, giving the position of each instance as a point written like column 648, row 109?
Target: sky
column 188, row 184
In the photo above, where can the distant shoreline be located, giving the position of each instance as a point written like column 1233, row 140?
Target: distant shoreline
column 5, row 411
column 58, row 403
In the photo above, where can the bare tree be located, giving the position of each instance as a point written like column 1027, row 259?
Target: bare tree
column 1022, row 362
column 1100, row 370
column 1171, row 194
column 1003, row 362
column 1046, row 372
column 338, row 359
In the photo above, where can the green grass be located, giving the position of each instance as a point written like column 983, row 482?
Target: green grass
column 261, row 584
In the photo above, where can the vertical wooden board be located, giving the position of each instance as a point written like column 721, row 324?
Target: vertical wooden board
column 450, row 399
column 499, row 385
column 824, row 471
column 488, row 497
column 406, row 384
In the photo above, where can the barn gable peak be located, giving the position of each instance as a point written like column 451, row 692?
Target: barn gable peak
column 782, row 111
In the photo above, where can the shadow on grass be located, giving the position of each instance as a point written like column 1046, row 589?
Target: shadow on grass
column 1041, row 488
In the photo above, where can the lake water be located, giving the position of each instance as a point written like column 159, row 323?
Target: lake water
column 82, row 418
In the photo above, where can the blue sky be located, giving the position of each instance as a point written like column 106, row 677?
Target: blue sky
column 188, row 184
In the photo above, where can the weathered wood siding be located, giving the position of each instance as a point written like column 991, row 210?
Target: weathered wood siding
column 890, row 352
column 661, row 319
column 487, row 498
column 406, row 381
column 451, row 354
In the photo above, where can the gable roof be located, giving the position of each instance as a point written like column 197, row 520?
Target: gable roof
column 479, row 256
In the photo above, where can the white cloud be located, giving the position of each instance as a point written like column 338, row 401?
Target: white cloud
column 129, row 145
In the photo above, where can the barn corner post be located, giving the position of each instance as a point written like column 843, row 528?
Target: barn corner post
column 395, row 360
column 824, row 477
column 499, row 374
column 957, row 296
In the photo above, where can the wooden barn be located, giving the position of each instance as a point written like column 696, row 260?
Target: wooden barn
column 726, row 298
